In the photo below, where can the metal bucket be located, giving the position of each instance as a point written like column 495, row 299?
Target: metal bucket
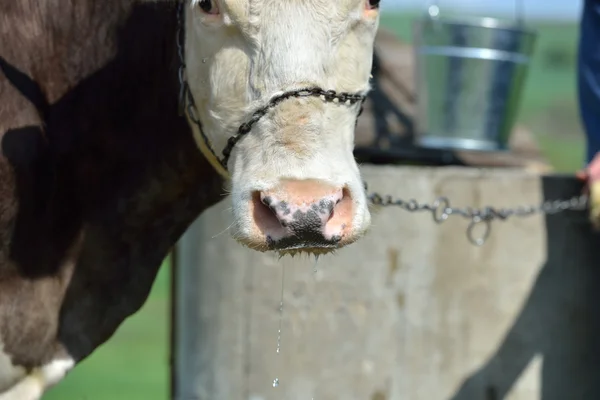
column 469, row 78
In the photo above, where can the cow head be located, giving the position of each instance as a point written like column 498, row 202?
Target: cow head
column 295, row 185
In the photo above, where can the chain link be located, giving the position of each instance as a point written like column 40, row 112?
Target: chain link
column 441, row 209
column 185, row 96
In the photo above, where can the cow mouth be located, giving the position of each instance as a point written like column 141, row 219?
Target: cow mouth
column 290, row 246
column 307, row 248
column 305, row 241
column 284, row 247
column 313, row 251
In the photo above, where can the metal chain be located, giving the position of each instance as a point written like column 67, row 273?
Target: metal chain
column 185, row 95
column 441, row 209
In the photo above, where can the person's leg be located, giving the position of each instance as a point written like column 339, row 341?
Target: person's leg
column 588, row 75
column 588, row 88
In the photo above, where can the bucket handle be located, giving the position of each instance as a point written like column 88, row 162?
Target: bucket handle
column 433, row 11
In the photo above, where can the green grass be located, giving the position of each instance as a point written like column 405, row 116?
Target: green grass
column 134, row 363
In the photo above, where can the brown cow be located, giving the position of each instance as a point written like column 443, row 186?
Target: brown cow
column 100, row 174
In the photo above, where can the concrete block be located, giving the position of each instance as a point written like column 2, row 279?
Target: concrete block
column 413, row 311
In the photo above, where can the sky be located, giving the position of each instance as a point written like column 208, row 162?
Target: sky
column 567, row 10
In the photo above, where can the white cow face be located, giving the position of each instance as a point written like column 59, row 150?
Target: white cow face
column 295, row 185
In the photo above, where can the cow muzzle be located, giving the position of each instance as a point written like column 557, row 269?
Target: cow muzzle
column 302, row 215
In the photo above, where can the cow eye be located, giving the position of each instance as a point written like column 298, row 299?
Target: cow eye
column 208, row 6
column 373, row 4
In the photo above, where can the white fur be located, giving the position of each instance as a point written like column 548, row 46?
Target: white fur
column 33, row 385
column 258, row 48
column 9, row 373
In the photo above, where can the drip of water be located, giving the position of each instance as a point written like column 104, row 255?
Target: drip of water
column 314, row 272
column 279, row 330
column 280, row 310
column 276, row 380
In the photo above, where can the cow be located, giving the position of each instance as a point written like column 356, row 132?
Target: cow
column 122, row 120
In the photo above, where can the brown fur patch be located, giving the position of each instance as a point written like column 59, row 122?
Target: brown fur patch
column 111, row 160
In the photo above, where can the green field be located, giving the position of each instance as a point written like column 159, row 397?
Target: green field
column 134, row 363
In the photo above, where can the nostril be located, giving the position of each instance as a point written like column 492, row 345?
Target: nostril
column 266, row 200
column 266, row 203
column 340, row 219
column 265, row 216
column 331, row 214
column 306, row 214
column 338, row 201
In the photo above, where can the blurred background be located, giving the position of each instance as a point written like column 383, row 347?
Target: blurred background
column 134, row 363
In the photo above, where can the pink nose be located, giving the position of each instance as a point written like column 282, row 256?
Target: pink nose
column 303, row 214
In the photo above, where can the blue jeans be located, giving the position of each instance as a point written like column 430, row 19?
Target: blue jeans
column 588, row 75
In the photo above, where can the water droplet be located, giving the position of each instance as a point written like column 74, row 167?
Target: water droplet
column 204, row 60
column 280, row 310
column 278, row 341
column 315, row 264
column 276, row 380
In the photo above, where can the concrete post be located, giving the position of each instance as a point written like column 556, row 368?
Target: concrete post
column 411, row 312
